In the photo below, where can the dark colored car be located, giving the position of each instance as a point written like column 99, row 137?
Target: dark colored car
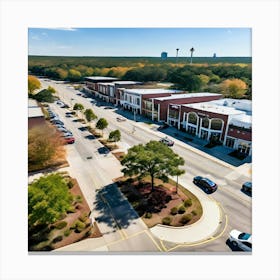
column 247, row 187
column 205, row 183
column 163, row 126
column 57, row 122
column 167, row 141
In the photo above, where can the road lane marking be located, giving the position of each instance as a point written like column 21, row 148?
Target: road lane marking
column 151, row 237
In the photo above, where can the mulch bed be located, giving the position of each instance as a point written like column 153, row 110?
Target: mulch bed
column 159, row 202
column 53, row 237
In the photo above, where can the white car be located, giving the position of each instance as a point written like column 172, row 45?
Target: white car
column 62, row 129
column 240, row 239
column 121, row 119
column 67, row 134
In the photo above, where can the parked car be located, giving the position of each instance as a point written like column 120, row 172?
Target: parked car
column 65, row 106
column 163, row 126
column 59, row 103
column 167, row 141
column 59, row 125
column 69, row 140
column 62, row 129
column 56, row 121
column 121, row 119
column 205, row 183
column 67, row 133
column 247, row 187
column 241, row 240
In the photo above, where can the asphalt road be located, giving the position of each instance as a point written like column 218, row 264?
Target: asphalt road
column 236, row 206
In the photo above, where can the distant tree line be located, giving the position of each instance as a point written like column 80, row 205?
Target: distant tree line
column 192, row 78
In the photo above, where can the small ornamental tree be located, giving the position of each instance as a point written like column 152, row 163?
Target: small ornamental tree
column 154, row 159
column 102, row 124
column 33, row 84
column 78, row 107
column 115, row 136
column 89, row 114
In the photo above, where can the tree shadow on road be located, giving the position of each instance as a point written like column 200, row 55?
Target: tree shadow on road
column 112, row 208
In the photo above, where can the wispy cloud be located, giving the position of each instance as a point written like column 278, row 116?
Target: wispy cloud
column 64, row 47
column 35, row 37
column 63, row 28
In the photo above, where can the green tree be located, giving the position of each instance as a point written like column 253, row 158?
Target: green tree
column 33, row 84
column 44, row 96
column 115, row 135
column 154, row 159
column 101, row 124
column 78, row 107
column 89, row 114
column 51, row 89
column 48, row 199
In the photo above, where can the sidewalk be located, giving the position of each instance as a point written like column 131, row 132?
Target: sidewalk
column 202, row 230
column 218, row 153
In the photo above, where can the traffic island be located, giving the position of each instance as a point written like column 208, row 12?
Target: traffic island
column 163, row 205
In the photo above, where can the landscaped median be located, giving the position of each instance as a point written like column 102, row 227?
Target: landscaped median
column 163, row 205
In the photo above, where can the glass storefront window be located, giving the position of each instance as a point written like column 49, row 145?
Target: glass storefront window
column 216, row 124
column 205, row 122
column 192, row 118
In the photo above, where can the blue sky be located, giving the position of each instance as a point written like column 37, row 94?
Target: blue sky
column 139, row 41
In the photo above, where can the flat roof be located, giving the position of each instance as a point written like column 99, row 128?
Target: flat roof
column 106, row 84
column 242, row 121
column 214, row 108
column 35, row 112
column 239, row 104
column 187, row 95
column 96, row 78
column 143, row 91
column 127, row 82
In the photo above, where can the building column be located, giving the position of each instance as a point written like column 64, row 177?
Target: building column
column 152, row 109
column 179, row 118
column 167, row 119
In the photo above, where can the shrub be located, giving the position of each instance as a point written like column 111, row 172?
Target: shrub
column 78, row 199
column 60, row 225
column 67, row 232
column 186, row 218
column 71, row 209
column 166, row 220
column 148, row 215
column 79, row 226
column 194, row 212
column 188, row 202
column 168, row 198
column 57, row 239
column 181, row 209
column 70, row 184
column 174, row 210
column 83, row 217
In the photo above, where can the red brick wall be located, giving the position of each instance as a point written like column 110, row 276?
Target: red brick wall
column 209, row 114
column 164, row 104
column 245, row 135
